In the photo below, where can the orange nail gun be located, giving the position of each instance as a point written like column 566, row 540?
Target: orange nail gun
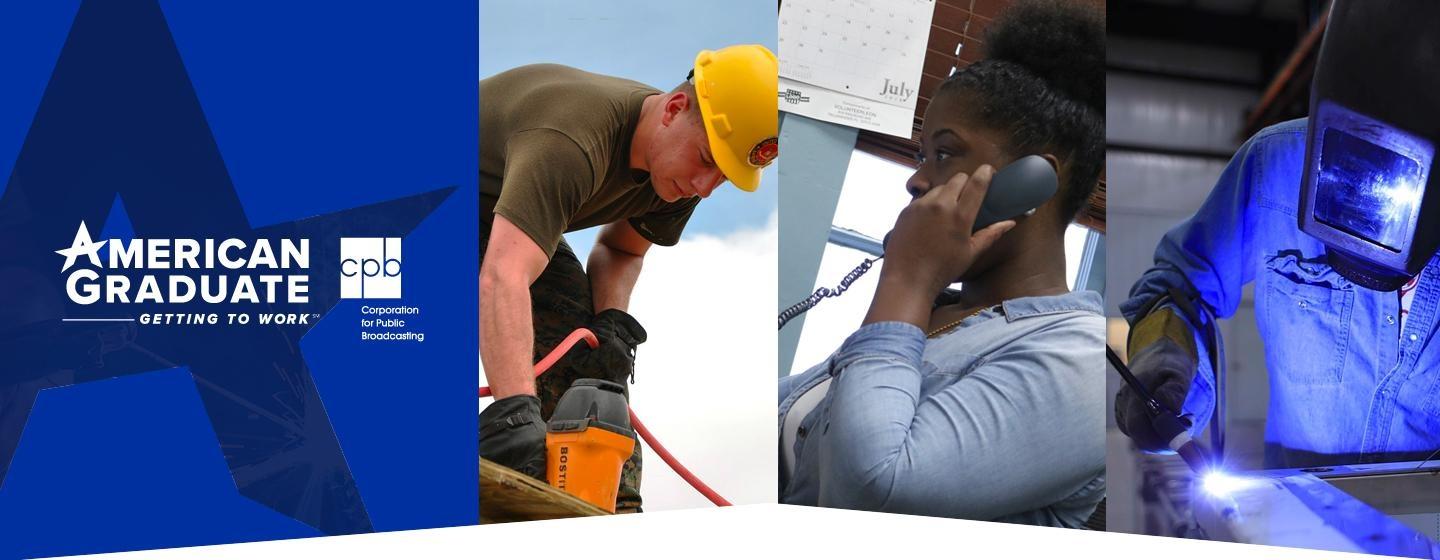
column 588, row 440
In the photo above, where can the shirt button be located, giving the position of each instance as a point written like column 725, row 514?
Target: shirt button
column 1389, row 319
column 1413, row 337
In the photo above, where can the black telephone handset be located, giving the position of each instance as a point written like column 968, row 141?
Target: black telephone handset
column 1015, row 191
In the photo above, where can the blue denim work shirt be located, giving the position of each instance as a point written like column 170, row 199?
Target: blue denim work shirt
column 1001, row 418
column 1346, row 384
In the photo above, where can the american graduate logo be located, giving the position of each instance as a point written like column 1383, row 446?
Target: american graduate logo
column 175, row 270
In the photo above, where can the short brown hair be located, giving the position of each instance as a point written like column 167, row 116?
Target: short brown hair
column 688, row 89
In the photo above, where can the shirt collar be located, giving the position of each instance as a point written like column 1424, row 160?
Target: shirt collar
column 1081, row 300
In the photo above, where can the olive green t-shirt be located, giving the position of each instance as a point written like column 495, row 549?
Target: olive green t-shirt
column 555, row 155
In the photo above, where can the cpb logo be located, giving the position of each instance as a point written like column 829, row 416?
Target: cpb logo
column 370, row 267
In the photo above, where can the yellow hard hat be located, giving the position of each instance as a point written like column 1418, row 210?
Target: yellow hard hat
column 737, row 88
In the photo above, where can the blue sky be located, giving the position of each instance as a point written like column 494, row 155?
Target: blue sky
column 650, row 41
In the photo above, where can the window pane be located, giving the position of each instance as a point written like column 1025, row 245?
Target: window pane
column 873, row 195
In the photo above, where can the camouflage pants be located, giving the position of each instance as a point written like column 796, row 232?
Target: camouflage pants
column 560, row 303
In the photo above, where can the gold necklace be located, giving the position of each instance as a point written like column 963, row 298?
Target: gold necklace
column 953, row 324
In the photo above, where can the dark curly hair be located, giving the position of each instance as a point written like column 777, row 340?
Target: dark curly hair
column 1043, row 79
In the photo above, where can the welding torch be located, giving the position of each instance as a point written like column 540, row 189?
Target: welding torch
column 1167, row 423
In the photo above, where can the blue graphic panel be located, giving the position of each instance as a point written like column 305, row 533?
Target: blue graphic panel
column 259, row 124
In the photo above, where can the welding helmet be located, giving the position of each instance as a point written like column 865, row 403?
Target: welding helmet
column 1370, row 191
column 737, row 87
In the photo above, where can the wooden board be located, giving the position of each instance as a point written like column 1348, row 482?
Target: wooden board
column 506, row 495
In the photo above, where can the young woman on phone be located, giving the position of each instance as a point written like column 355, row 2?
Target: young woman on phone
column 987, row 403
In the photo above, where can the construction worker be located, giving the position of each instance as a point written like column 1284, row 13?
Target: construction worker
column 561, row 150
column 1324, row 216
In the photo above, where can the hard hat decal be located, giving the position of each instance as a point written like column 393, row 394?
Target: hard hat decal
column 764, row 152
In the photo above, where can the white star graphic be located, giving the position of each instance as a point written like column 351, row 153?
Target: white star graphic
column 82, row 246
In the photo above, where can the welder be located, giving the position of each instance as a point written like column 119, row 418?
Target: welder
column 1335, row 219
column 562, row 150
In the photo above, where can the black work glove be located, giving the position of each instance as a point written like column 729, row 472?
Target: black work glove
column 513, row 434
column 1166, row 370
column 614, row 359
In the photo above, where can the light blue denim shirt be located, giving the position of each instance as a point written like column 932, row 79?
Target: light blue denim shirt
column 1347, row 385
column 999, row 419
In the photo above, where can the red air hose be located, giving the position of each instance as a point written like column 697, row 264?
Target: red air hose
column 576, row 335
column 589, row 337
column 674, row 463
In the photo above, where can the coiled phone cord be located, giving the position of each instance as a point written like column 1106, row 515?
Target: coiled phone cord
column 823, row 292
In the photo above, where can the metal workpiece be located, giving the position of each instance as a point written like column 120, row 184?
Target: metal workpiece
column 1356, row 508
column 1165, row 483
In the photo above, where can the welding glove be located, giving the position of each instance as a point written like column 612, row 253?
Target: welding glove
column 513, row 434
column 614, row 359
column 1163, row 359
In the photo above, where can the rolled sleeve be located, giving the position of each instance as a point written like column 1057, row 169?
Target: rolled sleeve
column 889, row 340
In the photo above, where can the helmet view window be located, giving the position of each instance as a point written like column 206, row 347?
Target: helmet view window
column 1366, row 190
